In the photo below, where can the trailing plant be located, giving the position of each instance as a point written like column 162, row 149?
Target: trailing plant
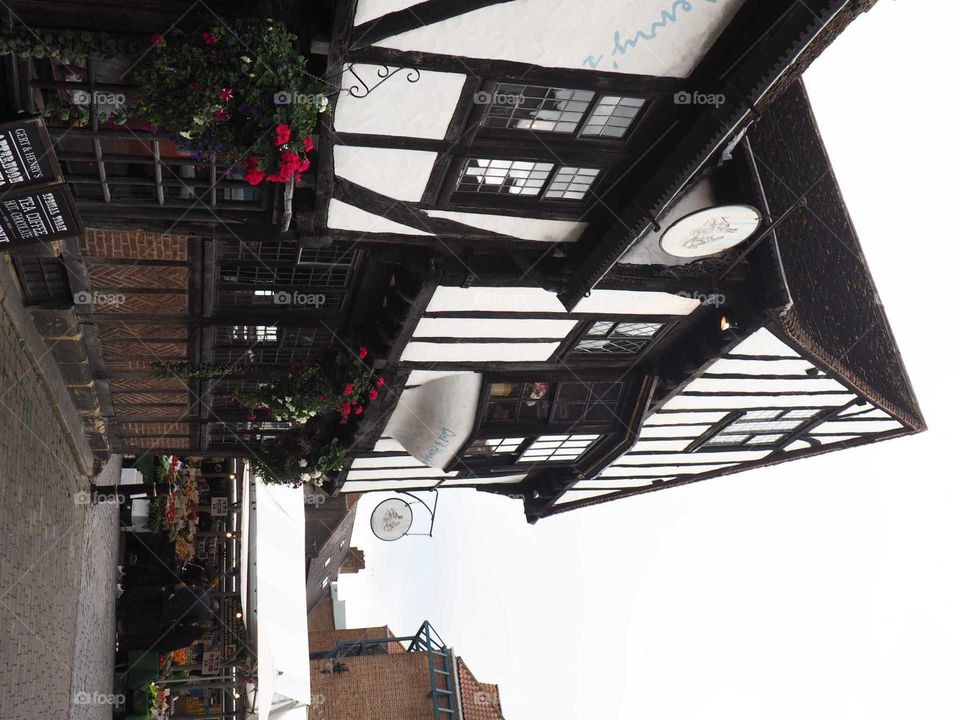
column 303, row 460
column 343, row 385
column 237, row 89
column 186, row 370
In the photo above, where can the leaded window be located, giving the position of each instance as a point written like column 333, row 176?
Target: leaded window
column 612, row 116
column 557, row 448
column 757, row 429
column 526, row 178
column 611, row 337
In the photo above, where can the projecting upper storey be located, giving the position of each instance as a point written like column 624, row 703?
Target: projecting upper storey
column 557, row 349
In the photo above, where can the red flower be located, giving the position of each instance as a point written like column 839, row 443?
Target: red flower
column 254, row 176
column 358, row 410
column 283, row 134
column 304, row 166
column 348, row 390
column 380, row 382
column 221, row 114
column 226, row 95
column 157, row 39
column 251, row 416
column 308, row 143
column 194, row 85
column 362, row 352
column 345, row 408
column 374, row 394
column 210, row 38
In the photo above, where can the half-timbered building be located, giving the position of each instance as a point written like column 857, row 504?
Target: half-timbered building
column 490, row 211
column 556, row 351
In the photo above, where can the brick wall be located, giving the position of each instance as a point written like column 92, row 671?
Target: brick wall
column 133, row 244
column 374, row 687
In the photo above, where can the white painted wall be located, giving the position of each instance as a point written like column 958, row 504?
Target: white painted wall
column 522, row 228
column 400, row 174
column 371, row 9
column 421, row 109
column 493, row 327
column 342, row 216
column 608, row 302
column 467, row 352
column 649, row 37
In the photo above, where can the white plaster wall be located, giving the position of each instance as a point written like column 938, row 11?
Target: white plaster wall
column 522, row 228
column 342, row 216
column 608, row 302
column 467, row 352
column 493, row 327
column 400, row 174
column 764, row 342
column 422, row 109
column 649, row 37
column 371, row 9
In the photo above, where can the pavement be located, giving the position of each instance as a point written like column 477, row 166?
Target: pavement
column 58, row 553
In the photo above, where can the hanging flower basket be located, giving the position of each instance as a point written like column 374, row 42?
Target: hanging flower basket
column 239, row 90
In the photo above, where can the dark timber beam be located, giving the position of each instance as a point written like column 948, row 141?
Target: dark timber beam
column 415, row 16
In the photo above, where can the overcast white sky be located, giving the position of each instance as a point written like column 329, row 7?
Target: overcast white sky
column 824, row 588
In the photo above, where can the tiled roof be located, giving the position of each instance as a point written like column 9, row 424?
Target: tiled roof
column 481, row 701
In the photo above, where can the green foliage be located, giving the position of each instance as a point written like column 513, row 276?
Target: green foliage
column 224, row 89
column 67, row 46
column 186, row 370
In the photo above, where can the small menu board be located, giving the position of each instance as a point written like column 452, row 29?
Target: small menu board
column 35, row 203
column 211, row 662
column 218, row 507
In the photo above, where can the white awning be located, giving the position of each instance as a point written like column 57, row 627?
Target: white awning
column 433, row 421
column 276, row 600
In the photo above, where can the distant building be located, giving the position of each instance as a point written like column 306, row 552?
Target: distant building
column 372, row 674
column 328, row 528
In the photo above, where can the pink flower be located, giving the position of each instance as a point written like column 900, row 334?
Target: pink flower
column 253, row 174
column 210, row 38
column 345, row 408
column 157, row 39
column 348, row 390
column 221, row 114
column 307, row 143
column 380, row 382
column 304, row 166
column 358, row 410
column 362, row 352
column 374, row 394
column 226, row 95
column 283, row 134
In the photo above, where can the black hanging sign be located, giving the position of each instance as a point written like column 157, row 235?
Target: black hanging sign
column 26, row 155
column 35, row 203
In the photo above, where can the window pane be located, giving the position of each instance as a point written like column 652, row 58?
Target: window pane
column 533, row 107
column 513, row 177
column 571, row 183
column 572, row 447
column 612, row 116
column 638, row 329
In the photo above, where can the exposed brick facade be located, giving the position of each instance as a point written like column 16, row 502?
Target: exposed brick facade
column 153, row 350
column 145, row 304
column 134, row 244
column 374, row 687
column 141, row 331
column 137, row 276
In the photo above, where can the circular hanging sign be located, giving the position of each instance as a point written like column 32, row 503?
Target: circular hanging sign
column 710, row 231
column 391, row 519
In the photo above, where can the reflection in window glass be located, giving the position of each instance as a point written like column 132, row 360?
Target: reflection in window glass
column 612, row 116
